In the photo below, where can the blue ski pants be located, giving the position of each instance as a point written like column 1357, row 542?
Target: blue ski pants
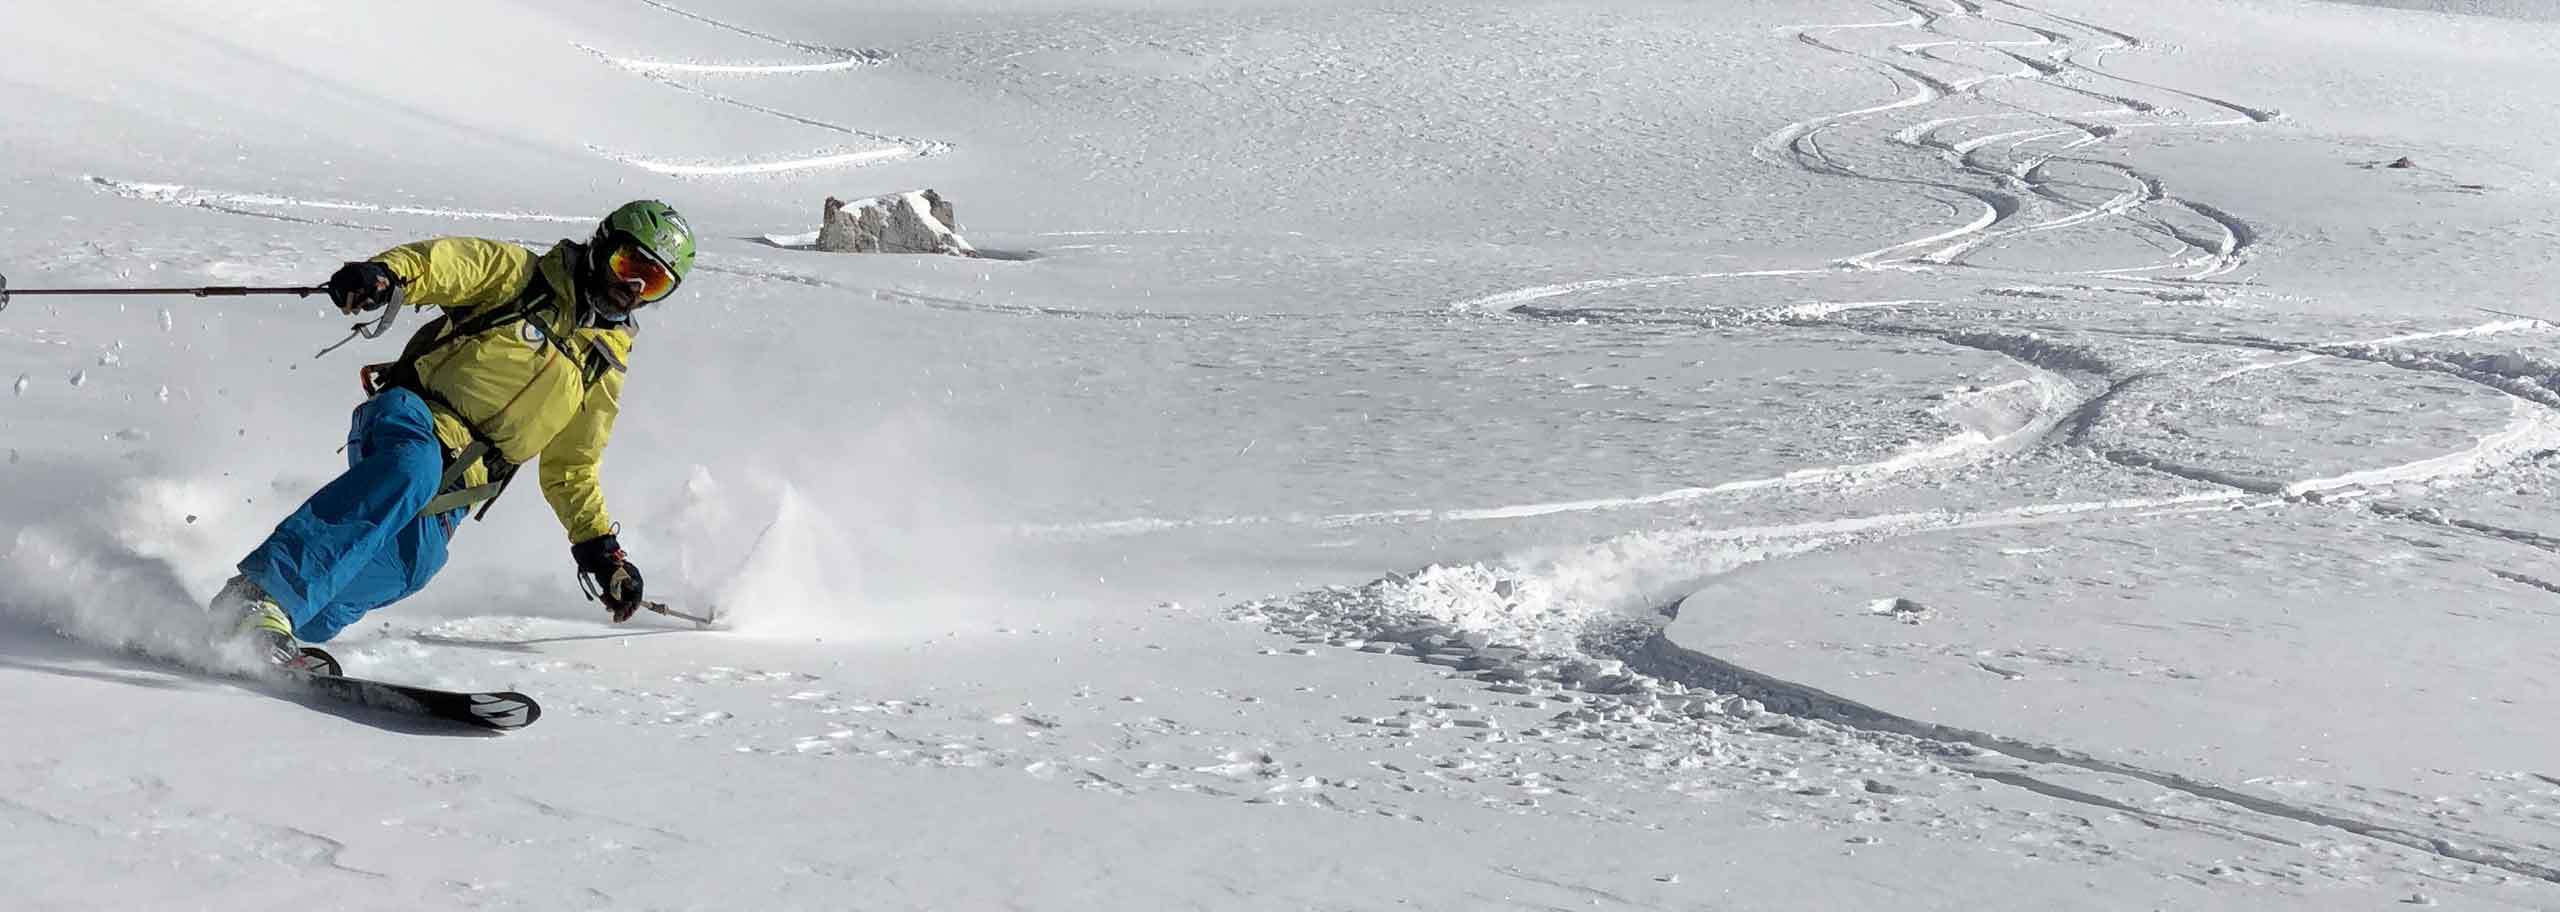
column 359, row 543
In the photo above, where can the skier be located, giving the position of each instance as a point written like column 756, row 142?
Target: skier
column 525, row 363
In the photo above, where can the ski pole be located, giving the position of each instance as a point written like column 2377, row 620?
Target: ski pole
column 372, row 330
column 209, row 291
column 661, row 608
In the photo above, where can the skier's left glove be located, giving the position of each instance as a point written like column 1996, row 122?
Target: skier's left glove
column 608, row 576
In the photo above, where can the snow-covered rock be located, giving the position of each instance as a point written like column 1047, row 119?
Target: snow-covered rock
column 916, row 221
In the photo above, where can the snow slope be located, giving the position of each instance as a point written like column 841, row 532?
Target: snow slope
column 2514, row 9
column 1790, row 454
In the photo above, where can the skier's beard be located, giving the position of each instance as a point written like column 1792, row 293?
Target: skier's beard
column 610, row 303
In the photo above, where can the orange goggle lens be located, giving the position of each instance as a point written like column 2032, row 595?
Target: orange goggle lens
column 630, row 264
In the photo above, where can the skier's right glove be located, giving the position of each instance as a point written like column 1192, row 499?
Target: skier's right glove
column 607, row 576
column 361, row 286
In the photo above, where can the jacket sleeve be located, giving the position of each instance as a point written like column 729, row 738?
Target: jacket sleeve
column 569, row 464
column 459, row 273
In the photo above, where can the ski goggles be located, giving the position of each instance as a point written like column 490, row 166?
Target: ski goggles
column 630, row 264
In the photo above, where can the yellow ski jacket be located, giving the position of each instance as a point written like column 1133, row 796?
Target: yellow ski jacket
column 542, row 387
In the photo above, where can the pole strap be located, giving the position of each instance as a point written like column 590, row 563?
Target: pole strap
column 375, row 329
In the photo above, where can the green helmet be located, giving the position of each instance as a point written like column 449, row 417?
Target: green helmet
column 654, row 227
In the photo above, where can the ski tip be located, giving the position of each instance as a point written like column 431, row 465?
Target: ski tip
column 504, row 710
column 318, row 661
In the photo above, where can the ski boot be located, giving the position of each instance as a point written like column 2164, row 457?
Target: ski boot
column 261, row 622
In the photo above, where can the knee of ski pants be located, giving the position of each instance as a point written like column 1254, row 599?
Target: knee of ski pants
column 392, row 442
column 398, row 433
column 403, row 567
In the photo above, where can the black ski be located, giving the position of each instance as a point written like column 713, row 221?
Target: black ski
column 501, row 710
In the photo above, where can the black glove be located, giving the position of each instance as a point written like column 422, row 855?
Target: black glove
column 607, row 577
column 363, row 286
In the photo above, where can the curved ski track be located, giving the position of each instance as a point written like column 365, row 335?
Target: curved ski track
column 864, row 147
column 235, row 203
column 2012, row 177
column 872, row 148
column 2011, row 174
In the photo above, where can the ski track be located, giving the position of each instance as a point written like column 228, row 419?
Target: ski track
column 2059, row 398
column 2056, row 397
column 664, row 72
column 2007, row 175
column 1522, row 620
column 1998, row 157
column 894, row 147
column 1147, row 232
column 2041, row 764
column 880, row 148
column 822, row 50
column 2485, row 329
column 2533, row 428
column 2011, row 177
column 837, row 159
column 651, row 67
column 1521, row 296
column 229, row 202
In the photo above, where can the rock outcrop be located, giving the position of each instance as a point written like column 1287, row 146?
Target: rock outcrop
column 917, row 221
